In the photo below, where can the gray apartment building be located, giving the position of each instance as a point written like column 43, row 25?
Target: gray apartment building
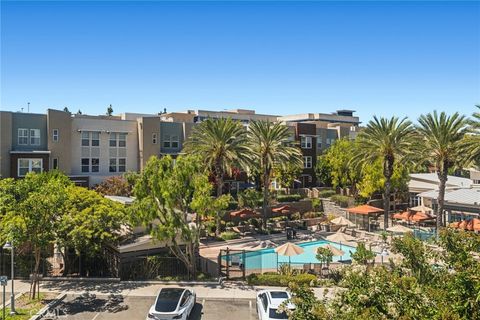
column 91, row 148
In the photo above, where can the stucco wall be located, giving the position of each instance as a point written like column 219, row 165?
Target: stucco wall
column 61, row 149
column 29, row 121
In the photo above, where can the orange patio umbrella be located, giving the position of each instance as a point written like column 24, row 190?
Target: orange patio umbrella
column 420, row 216
column 463, row 225
column 454, row 224
column 402, row 216
column 242, row 212
column 282, row 209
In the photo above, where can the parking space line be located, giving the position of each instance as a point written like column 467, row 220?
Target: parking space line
column 96, row 316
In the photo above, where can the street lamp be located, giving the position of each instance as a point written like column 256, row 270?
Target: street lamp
column 8, row 246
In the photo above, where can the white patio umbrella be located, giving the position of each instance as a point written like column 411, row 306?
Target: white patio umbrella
column 399, row 229
column 289, row 249
column 341, row 221
column 340, row 237
column 421, row 208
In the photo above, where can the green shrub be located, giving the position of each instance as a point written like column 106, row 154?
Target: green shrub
column 230, row 224
column 229, row 235
column 232, row 205
column 326, row 193
column 342, row 201
column 289, row 198
column 274, row 279
column 296, row 216
column 309, row 215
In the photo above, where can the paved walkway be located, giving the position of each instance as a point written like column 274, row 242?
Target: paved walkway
column 229, row 290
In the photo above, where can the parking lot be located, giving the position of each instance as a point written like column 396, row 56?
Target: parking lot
column 132, row 308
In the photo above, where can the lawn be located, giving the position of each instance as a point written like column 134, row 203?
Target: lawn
column 26, row 308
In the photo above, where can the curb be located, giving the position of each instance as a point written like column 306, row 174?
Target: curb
column 180, row 283
column 58, row 279
column 52, row 304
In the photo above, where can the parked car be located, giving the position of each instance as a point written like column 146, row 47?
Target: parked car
column 268, row 302
column 172, row 303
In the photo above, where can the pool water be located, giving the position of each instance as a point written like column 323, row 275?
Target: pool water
column 269, row 259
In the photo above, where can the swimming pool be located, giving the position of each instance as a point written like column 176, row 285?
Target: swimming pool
column 269, row 259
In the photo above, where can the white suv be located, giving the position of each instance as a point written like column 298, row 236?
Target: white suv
column 268, row 302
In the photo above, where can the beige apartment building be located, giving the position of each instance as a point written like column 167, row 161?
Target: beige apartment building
column 91, row 148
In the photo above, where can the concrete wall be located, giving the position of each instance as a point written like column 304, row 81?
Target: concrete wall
column 29, row 121
column 104, row 126
column 5, row 143
column 61, row 149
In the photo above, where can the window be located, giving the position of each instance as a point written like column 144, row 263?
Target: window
column 122, row 140
column 95, row 139
column 174, row 141
column 307, row 162
column 154, row 138
column 85, row 139
column 55, row 135
column 23, row 136
column 55, row 163
column 306, row 142
column 113, row 139
column 29, row 165
column 166, row 141
column 122, row 164
column 95, row 164
column 319, row 141
column 85, row 165
column 35, row 137
column 113, row 165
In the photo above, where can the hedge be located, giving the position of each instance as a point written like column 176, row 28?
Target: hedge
column 275, row 279
column 289, row 197
column 326, row 193
column 229, row 235
column 342, row 201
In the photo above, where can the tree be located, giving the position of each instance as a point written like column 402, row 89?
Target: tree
column 249, row 198
column 66, row 110
column 89, row 223
column 472, row 141
column 166, row 195
column 109, row 110
column 221, row 144
column 286, row 175
column 269, row 146
column 338, row 158
column 391, row 141
column 115, row 186
column 362, row 255
column 324, row 255
column 323, row 171
column 79, row 111
column 31, row 215
column 442, row 142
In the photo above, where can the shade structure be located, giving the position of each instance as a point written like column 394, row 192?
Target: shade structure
column 335, row 251
column 423, row 209
column 420, row 217
column 365, row 209
column 340, row 237
column 341, row 221
column 402, row 216
column 289, row 250
column 399, row 229
column 243, row 213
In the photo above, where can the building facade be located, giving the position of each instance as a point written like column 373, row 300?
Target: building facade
column 90, row 149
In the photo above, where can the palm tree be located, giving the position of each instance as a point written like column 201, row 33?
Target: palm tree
column 221, row 143
column 442, row 137
column 390, row 141
column 472, row 141
column 269, row 145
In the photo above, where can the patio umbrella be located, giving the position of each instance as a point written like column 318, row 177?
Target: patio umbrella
column 454, row 224
column 423, row 209
column 341, row 221
column 340, row 237
column 399, row 229
column 335, row 251
column 289, row 249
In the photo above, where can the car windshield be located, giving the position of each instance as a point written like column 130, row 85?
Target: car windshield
column 168, row 300
column 279, row 295
column 274, row 315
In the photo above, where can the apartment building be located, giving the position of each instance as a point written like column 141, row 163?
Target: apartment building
column 91, row 148
column 316, row 132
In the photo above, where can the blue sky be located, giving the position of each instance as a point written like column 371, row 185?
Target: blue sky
column 384, row 58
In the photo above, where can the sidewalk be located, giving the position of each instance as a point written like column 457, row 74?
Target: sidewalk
column 227, row 291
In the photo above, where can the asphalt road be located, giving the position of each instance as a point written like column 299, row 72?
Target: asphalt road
column 133, row 308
